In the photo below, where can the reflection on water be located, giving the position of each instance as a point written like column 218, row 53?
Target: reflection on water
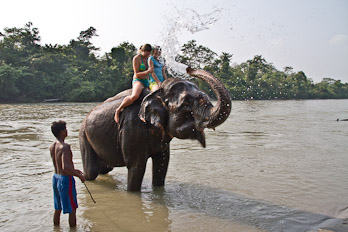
column 273, row 166
column 121, row 209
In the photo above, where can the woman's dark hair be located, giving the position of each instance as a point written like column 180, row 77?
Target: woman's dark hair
column 146, row 48
column 57, row 127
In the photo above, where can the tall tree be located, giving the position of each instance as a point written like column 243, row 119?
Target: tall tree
column 196, row 56
column 74, row 72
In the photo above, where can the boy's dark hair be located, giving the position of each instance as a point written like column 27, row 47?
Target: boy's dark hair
column 56, row 127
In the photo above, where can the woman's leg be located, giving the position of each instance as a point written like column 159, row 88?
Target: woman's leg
column 154, row 87
column 136, row 91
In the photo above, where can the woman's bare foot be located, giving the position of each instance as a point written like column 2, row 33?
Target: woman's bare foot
column 117, row 116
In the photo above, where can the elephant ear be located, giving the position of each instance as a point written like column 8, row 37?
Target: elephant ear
column 153, row 110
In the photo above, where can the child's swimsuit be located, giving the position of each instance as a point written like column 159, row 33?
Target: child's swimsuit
column 64, row 193
column 142, row 68
column 158, row 71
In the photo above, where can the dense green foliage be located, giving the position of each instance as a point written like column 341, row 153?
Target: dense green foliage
column 258, row 79
column 74, row 72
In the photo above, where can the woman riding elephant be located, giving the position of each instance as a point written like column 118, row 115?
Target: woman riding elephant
column 159, row 74
column 140, row 79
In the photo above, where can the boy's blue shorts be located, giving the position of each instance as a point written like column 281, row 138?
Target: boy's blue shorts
column 64, row 193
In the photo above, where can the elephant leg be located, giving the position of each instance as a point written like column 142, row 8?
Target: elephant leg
column 135, row 154
column 90, row 160
column 135, row 177
column 159, row 167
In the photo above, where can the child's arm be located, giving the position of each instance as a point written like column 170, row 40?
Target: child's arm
column 154, row 76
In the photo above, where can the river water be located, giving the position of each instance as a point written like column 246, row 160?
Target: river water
column 272, row 166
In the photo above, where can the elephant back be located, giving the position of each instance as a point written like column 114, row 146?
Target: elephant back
column 101, row 130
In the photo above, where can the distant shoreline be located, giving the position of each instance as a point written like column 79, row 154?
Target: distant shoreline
column 61, row 101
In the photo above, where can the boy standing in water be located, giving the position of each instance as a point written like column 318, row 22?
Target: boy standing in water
column 63, row 180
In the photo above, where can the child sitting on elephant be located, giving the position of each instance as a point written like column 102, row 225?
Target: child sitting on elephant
column 140, row 79
column 159, row 74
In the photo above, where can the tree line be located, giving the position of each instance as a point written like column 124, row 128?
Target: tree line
column 31, row 72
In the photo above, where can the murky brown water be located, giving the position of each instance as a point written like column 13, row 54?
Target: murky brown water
column 273, row 166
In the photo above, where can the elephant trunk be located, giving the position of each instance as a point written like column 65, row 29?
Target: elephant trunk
column 216, row 115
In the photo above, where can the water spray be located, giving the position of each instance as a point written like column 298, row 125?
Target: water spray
column 184, row 20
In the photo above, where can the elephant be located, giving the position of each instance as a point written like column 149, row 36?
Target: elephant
column 178, row 109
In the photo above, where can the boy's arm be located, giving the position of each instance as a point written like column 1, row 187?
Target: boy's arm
column 52, row 151
column 68, row 165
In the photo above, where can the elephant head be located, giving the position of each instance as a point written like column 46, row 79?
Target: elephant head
column 180, row 109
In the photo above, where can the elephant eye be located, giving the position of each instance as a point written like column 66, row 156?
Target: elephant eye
column 189, row 115
column 187, row 100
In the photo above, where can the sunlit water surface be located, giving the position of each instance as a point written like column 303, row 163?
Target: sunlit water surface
column 272, row 166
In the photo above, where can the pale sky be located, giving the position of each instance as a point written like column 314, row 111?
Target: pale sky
column 308, row 35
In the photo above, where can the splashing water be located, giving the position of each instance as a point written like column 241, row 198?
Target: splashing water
column 177, row 23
